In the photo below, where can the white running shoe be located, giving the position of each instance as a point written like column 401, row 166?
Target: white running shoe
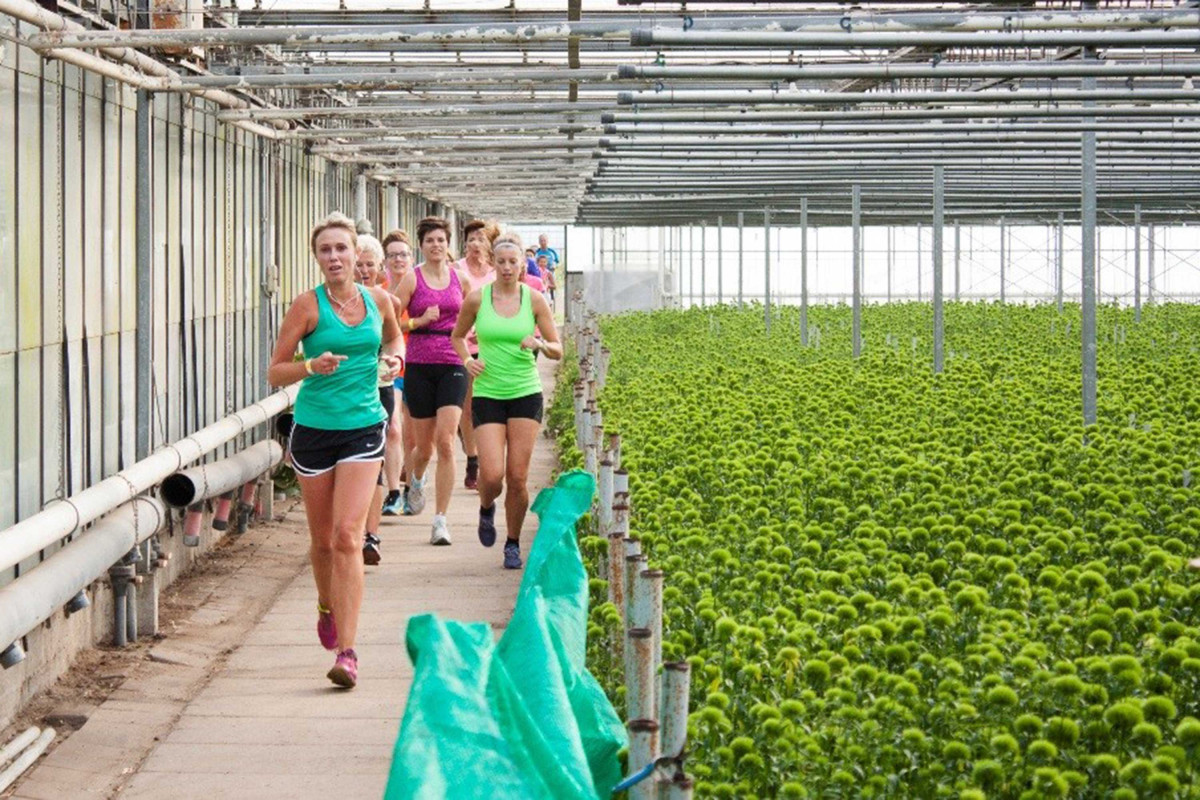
column 416, row 496
column 441, row 533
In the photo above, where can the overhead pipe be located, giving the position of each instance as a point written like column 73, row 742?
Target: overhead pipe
column 64, row 518
column 889, row 71
column 129, row 66
column 896, row 114
column 887, row 40
column 802, row 28
column 421, row 109
column 788, row 97
column 694, row 129
column 34, row 597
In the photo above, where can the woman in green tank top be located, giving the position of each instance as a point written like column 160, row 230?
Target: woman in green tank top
column 507, row 404
column 338, row 440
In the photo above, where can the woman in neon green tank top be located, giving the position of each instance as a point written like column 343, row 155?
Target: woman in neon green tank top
column 507, row 404
column 338, row 439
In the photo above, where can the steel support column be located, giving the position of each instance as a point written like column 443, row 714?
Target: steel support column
column 856, row 224
column 1150, row 263
column 1059, row 263
column 804, row 272
column 720, row 260
column 939, row 219
column 1137, row 262
column 266, row 249
column 767, row 269
column 741, row 255
column 890, row 254
column 144, row 272
column 703, row 265
column 1003, row 258
column 1088, row 265
column 957, row 259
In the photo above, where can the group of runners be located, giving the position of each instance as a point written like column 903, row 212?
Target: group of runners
column 398, row 362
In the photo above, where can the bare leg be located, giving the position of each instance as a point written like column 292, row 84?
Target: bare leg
column 445, row 426
column 491, row 441
column 354, row 484
column 408, row 437
column 466, row 425
column 393, row 455
column 318, row 508
column 522, row 434
column 375, row 511
column 422, row 453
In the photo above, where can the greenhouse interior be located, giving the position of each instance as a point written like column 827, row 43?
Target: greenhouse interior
column 836, row 366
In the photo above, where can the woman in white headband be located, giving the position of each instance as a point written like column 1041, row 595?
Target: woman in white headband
column 507, row 405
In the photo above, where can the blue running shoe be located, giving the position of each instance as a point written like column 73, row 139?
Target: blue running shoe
column 512, row 555
column 487, row 526
column 393, row 504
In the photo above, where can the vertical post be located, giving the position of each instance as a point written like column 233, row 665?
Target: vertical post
column 676, row 683
column 856, row 226
column 804, row 271
column 939, row 218
column 1150, row 263
column 605, row 494
column 720, row 260
column 1058, row 262
column 691, row 251
column 360, row 204
column 703, row 265
column 1003, row 257
column 392, row 220
column 889, row 263
column 144, row 227
column 266, row 254
column 957, row 259
column 643, row 749
column 767, row 270
column 1088, row 244
column 1137, row 262
column 919, row 264
column 741, row 254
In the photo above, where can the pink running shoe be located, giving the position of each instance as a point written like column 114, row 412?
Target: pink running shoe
column 345, row 669
column 326, row 629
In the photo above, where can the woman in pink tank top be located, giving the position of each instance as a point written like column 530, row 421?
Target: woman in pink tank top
column 435, row 383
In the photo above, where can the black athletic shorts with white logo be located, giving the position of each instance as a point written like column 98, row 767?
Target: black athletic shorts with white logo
column 428, row 387
column 489, row 411
column 316, row 451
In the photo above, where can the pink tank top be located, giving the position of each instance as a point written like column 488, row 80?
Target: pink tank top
column 431, row 344
column 476, row 283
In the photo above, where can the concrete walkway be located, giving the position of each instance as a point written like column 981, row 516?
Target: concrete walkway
column 236, row 703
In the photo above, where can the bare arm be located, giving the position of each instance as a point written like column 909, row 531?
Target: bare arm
column 462, row 326
column 299, row 321
column 393, row 339
column 544, row 316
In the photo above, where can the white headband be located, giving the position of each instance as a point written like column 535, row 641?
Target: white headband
column 496, row 247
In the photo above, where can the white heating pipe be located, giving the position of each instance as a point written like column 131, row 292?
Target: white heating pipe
column 62, row 519
column 10, row 750
column 26, row 759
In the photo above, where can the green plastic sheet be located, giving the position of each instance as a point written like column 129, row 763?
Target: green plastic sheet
column 522, row 717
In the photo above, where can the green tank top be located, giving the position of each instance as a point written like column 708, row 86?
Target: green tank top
column 346, row 399
column 508, row 371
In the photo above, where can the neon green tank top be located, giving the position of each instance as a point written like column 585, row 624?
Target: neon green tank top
column 508, row 371
column 346, row 399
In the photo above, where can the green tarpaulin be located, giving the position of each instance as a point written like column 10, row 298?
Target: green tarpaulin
column 522, row 717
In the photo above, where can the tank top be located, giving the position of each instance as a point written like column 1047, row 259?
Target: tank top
column 431, row 344
column 346, row 399
column 508, row 371
column 476, row 283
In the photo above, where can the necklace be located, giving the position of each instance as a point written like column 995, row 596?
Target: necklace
column 341, row 305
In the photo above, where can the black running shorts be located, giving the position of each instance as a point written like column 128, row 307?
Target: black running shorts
column 488, row 411
column 428, row 387
column 316, row 451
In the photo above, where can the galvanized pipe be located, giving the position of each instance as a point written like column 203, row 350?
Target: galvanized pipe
column 605, row 494
column 1137, row 262
column 643, row 750
column 767, row 269
column 886, row 40
column 741, row 219
column 639, row 675
column 455, row 108
column 1003, row 258
column 896, row 114
column 676, row 685
column 890, row 71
